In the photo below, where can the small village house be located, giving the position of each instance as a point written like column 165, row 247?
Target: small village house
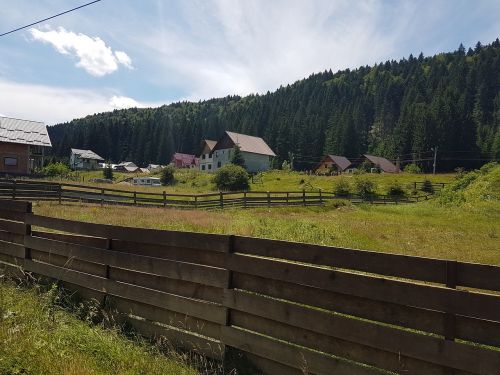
column 84, row 160
column 22, row 146
column 255, row 151
column 377, row 163
column 206, row 158
column 332, row 164
column 127, row 167
column 180, row 160
column 146, row 181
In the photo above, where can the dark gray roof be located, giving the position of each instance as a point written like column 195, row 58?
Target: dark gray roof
column 26, row 132
column 382, row 163
column 342, row 162
column 86, row 154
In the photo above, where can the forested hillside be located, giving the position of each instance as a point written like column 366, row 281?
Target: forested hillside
column 398, row 109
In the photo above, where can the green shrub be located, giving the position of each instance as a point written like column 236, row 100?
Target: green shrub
column 107, row 172
column 413, row 168
column 231, row 178
column 167, row 176
column 427, row 187
column 55, row 169
column 364, row 186
column 286, row 166
column 342, row 187
column 396, row 190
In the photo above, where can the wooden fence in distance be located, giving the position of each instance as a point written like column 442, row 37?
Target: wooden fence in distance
column 50, row 191
column 291, row 308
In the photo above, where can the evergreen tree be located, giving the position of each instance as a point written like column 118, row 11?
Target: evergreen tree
column 237, row 157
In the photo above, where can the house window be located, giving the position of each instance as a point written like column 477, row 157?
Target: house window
column 218, row 164
column 10, row 162
column 210, row 166
column 203, row 156
column 203, row 167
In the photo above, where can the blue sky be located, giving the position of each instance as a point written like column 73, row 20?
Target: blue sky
column 122, row 53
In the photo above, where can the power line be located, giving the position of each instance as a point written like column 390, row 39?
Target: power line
column 49, row 18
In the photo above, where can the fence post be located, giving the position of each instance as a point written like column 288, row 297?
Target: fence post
column 60, row 193
column 102, row 197
column 221, row 199
column 135, row 197
column 164, row 198
column 287, row 196
column 14, row 190
column 228, row 285
column 27, row 231
column 449, row 318
column 268, row 199
column 195, row 201
column 320, row 197
column 304, row 197
column 245, row 199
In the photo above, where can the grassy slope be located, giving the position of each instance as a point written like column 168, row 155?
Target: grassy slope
column 38, row 338
column 190, row 181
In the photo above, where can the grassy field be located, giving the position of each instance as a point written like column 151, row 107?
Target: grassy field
column 425, row 229
column 39, row 337
column 191, row 181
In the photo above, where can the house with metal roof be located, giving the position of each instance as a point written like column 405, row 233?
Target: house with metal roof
column 22, row 145
column 255, row 151
column 127, row 167
column 206, row 157
column 180, row 160
column 84, row 160
column 377, row 163
column 332, row 164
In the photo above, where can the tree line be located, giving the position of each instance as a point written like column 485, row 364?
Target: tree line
column 397, row 109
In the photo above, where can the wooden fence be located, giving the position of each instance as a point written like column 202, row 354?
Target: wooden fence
column 291, row 308
column 42, row 190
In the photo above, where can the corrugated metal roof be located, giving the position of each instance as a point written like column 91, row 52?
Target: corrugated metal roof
column 86, row 154
column 382, row 163
column 341, row 161
column 26, row 132
column 249, row 143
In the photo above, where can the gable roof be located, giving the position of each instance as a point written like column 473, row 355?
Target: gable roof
column 342, row 162
column 24, row 132
column 209, row 143
column 248, row 143
column 86, row 154
column 186, row 159
column 382, row 163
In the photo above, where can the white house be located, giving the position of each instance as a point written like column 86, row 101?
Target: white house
column 255, row 151
column 84, row 159
column 147, row 181
column 206, row 159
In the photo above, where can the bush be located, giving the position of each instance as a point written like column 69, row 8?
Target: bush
column 231, row 178
column 107, row 172
column 413, row 168
column 396, row 190
column 286, row 166
column 167, row 176
column 364, row 186
column 341, row 187
column 427, row 187
column 55, row 169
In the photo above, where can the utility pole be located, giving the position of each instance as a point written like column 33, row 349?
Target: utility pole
column 435, row 149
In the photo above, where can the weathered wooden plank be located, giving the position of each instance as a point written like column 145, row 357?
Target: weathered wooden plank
column 69, row 262
column 11, row 215
column 269, row 367
column 18, row 206
column 478, row 276
column 178, row 287
column 155, row 314
column 12, row 249
column 425, row 269
column 73, row 238
column 399, row 342
column 300, row 358
column 474, row 330
column 212, row 242
column 209, row 258
column 180, row 339
column 169, row 268
column 11, row 237
column 13, row 227
column 477, row 305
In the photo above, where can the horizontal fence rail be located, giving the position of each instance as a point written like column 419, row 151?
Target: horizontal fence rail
column 49, row 191
column 290, row 308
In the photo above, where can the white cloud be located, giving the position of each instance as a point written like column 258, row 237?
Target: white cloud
column 55, row 104
column 93, row 55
